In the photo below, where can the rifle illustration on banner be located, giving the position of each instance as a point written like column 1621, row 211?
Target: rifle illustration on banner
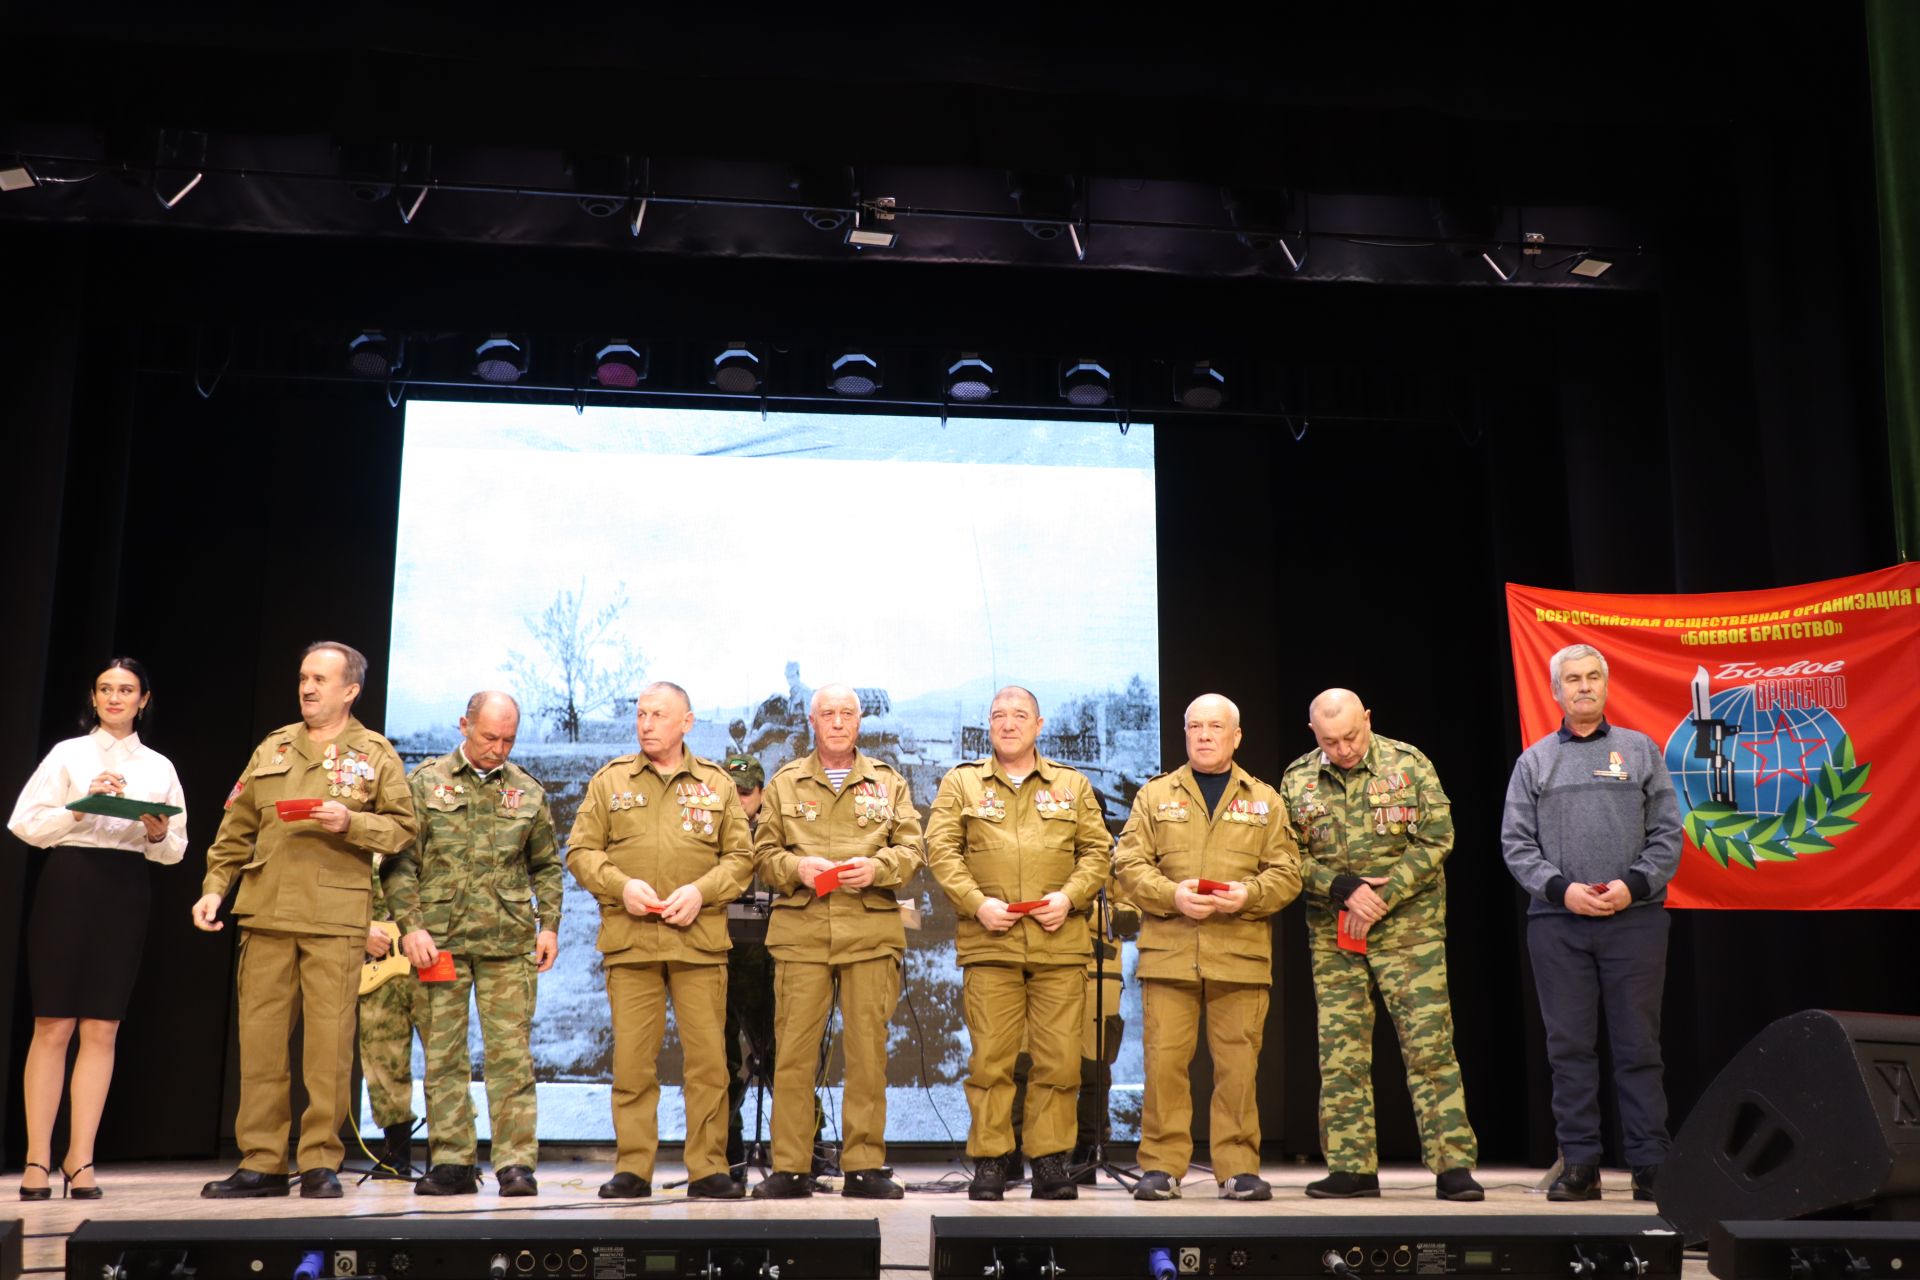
column 1711, row 736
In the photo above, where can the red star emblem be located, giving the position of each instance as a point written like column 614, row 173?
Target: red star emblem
column 1798, row 769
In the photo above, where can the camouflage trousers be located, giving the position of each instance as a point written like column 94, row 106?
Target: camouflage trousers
column 503, row 988
column 389, row 1015
column 1412, row 982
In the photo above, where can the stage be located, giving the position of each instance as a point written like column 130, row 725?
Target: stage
column 172, row 1190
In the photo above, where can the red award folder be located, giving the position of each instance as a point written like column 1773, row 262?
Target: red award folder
column 296, row 810
column 441, row 970
column 1212, row 886
column 1346, row 940
column 1021, row 908
column 829, row 880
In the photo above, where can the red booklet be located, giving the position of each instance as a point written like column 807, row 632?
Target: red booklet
column 441, row 970
column 1021, row 908
column 296, row 810
column 829, row 880
column 1346, row 940
column 1212, row 886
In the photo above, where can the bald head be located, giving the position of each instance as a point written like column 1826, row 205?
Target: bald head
column 490, row 698
column 489, row 728
column 1342, row 726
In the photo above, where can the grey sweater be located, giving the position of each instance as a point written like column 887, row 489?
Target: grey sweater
column 1566, row 822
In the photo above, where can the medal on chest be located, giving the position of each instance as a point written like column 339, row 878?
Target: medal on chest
column 869, row 802
column 626, row 800
column 347, row 774
column 1173, row 810
column 697, row 803
column 991, row 805
column 510, row 797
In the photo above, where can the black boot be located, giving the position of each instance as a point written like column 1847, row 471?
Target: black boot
column 397, row 1155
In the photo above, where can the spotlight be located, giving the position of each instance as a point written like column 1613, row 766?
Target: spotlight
column 1045, row 202
column 603, row 181
column 736, row 371
column 371, row 355
column 854, row 374
column 620, row 364
column 828, row 191
column 1199, row 385
column 1590, row 267
column 499, row 360
column 970, row 379
column 1085, row 383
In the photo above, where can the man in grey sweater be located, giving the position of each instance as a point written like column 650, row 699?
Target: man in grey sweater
column 1592, row 833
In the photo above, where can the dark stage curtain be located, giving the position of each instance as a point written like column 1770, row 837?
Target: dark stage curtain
column 1893, row 49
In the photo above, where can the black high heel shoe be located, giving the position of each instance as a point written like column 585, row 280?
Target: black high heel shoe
column 79, row 1193
column 38, row 1193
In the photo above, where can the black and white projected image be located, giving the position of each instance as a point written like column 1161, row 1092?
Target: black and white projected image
column 572, row 558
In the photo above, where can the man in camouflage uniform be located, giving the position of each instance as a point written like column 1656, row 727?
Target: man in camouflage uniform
column 1018, row 828
column 661, row 841
column 389, row 1016
column 835, row 809
column 1376, row 827
column 483, row 884
column 1205, row 952
column 303, row 906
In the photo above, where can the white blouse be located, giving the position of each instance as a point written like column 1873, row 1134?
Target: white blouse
column 42, row 819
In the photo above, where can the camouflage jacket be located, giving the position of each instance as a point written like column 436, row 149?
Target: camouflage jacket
column 483, row 878
column 987, row 838
column 296, row 876
column 1387, row 816
column 871, row 816
column 1170, row 837
column 683, row 826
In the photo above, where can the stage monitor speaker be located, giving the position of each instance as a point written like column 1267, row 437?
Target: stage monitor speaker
column 1267, row 1246
column 558, row 1247
column 1813, row 1250
column 1818, row 1114
column 12, row 1246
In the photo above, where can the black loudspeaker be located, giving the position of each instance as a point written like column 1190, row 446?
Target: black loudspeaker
column 11, row 1260
column 1818, row 1114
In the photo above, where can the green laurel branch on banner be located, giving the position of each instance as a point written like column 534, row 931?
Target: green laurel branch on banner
column 1825, row 810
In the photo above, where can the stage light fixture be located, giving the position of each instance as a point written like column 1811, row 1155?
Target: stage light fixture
column 1590, row 267
column 620, row 365
column 854, row 374
column 1085, row 383
column 736, row 371
column 830, row 192
column 603, row 181
column 971, row 379
column 1199, row 385
column 371, row 354
column 1045, row 202
column 874, row 230
column 500, row 360
column 16, row 177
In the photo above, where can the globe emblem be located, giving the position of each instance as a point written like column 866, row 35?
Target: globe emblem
column 1775, row 757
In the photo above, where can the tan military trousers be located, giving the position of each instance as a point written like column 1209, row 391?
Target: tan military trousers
column 1009, row 1006
column 637, row 996
column 802, row 1003
column 1236, row 1014
column 288, row 980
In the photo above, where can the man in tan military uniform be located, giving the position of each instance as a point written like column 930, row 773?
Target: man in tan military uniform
column 482, row 883
column 835, row 807
column 1210, row 952
column 1376, row 829
column 304, row 907
column 1017, row 827
column 661, row 841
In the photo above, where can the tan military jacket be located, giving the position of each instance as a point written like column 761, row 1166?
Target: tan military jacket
column 1387, row 816
column 296, row 877
column 1169, row 837
column 483, row 878
column 987, row 838
column 684, row 826
column 872, row 816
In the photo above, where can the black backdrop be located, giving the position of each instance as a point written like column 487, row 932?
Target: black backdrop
column 1721, row 433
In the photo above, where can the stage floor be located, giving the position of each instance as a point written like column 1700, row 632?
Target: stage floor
column 172, row 1190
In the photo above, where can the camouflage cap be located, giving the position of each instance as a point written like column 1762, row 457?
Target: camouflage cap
column 746, row 771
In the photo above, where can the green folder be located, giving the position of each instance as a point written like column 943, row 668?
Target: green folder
column 119, row 806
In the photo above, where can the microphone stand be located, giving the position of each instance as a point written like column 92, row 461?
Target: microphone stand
column 1097, row 1161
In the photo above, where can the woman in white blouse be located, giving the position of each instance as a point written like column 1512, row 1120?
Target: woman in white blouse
column 88, row 925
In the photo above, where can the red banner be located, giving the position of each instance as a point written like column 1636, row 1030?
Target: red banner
column 1787, row 718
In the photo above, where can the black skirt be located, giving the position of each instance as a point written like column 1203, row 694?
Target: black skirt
column 87, row 932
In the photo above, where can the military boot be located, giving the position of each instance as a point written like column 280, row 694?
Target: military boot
column 396, row 1157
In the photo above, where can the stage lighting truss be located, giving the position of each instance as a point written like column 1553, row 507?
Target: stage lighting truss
column 1198, row 385
column 970, row 379
column 500, row 360
column 854, row 374
column 736, row 371
column 371, row 354
column 1085, row 383
column 620, row 365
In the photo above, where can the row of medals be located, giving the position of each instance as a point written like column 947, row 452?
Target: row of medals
column 344, row 777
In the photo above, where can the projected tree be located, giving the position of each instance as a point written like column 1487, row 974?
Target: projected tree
column 584, row 664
